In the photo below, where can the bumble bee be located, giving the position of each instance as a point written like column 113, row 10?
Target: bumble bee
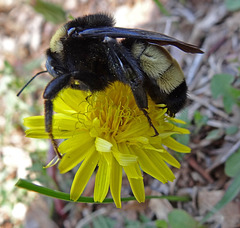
column 85, row 54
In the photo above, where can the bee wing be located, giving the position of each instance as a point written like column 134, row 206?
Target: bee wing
column 152, row 37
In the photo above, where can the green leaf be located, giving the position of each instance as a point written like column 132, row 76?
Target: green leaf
column 220, row 83
column 228, row 102
column 111, row 222
column 221, row 86
column 161, row 224
column 235, row 92
column 200, row 120
column 214, row 134
column 231, row 130
column 161, row 8
column 103, row 222
column 144, row 219
column 99, row 222
column 232, row 5
column 180, row 219
column 51, row 12
column 8, row 68
column 229, row 195
column 132, row 224
column 232, row 167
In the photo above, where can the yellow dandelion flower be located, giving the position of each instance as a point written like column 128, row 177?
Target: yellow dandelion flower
column 107, row 130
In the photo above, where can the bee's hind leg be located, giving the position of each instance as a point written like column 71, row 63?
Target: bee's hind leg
column 150, row 122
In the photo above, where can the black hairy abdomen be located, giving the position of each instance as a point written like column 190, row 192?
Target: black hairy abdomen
column 175, row 100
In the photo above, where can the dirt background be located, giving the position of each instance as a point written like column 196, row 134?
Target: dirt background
column 215, row 135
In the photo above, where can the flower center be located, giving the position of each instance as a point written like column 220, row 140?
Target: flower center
column 114, row 111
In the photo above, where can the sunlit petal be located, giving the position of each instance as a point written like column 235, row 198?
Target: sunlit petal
column 53, row 162
column 102, row 180
column 116, row 182
column 74, row 154
column 137, row 187
column 175, row 145
column 136, row 182
column 149, row 166
column 83, row 175
column 103, row 145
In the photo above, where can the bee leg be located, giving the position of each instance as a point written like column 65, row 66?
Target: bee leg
column 50, row 92
column 48, row 106
column 87, row 98
column 142, row 103
column 170, row 113
column 150, row 122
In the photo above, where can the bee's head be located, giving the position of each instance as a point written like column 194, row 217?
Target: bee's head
column 53, row 67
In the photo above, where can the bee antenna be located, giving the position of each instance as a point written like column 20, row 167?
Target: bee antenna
column 45, row 71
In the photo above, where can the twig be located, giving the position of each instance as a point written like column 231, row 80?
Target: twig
column 192, row 162
column 194, row 68
column 225, row 156
column 205, row 102
column 218, row 124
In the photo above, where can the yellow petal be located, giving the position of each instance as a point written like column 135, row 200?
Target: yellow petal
column 102, row 180
column 162, row 166
column 133, row 171
column 75, row 151
column 83, row 175
column 152, row 148
column 136, row 182
column 103, row 145
column 61, row 106
column 53, row 162
column 175, row 145
column 180, row 130
column 140, row 139
column 123, row 156
column 116, row 182
column 147, row 165
column 166, row 134
column 137, row 187
column 135, row 128
column 63, row 126
column 34, row 121
column 94, row 131
column 125, row 159
column 57, row 133
column 77, row 98
column 37, row 133
column 170, row 159
column 178, row 121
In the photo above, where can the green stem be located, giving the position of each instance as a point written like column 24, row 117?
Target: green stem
column 65, row 196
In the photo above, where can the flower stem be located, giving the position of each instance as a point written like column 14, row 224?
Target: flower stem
column 21, row 183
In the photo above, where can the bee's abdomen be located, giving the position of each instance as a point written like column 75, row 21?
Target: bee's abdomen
column 164, row 78
column 177, row 99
